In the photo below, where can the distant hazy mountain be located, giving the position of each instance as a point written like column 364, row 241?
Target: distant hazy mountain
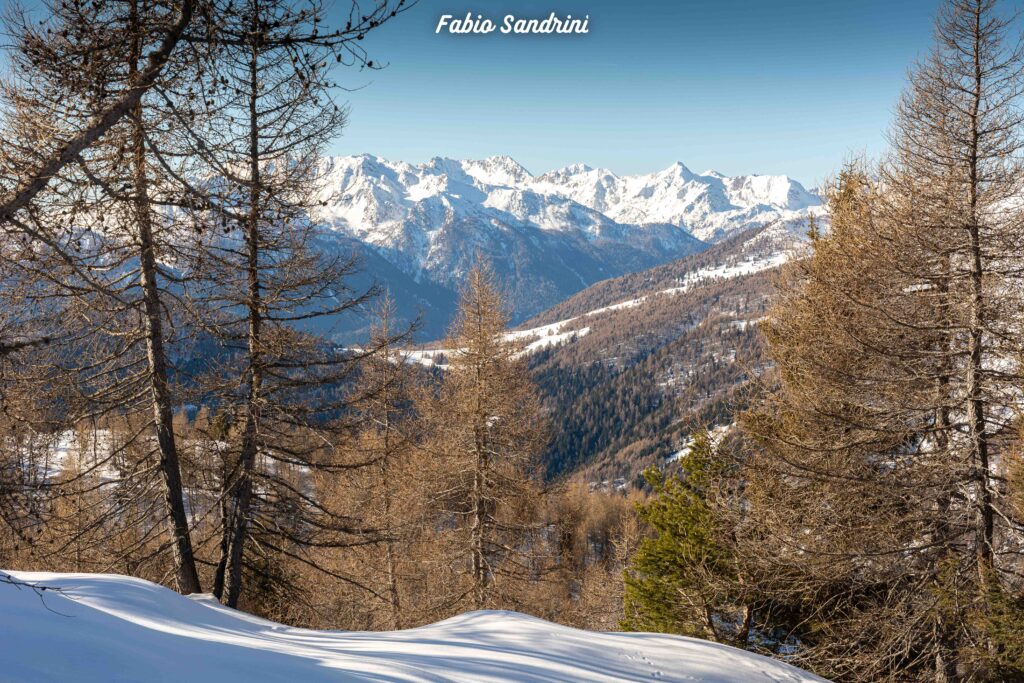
column 420, row 227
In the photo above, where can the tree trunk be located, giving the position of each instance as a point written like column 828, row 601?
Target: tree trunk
column 744, row 633
column 478, row 529
column 250, row 443
column 389, row 548
column 477, row 541
column 225, row 539
column 392, row 573
column 187, row 578
column 975, row 400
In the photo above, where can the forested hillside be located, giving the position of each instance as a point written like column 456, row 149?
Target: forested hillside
column 663, row 353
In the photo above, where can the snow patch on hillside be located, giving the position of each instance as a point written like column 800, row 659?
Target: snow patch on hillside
column 716, row 433
column 699, row 277
column 534, row 340
column 555, row 340
column 729, row 271
column 100, row 627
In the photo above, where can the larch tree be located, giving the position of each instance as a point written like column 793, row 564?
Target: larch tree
column 104, row 225
column 875, row 490
column 267, row 112
column 112, row 236
column 486, row 431
column 389, row 489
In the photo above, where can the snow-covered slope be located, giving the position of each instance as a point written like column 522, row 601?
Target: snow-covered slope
column 554, row 333
column 115, row 628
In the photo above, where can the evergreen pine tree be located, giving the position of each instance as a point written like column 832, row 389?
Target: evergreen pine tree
column 679, row 579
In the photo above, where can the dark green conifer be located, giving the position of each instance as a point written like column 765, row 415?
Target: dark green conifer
column 672, row 583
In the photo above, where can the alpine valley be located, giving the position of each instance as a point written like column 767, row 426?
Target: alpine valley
column 419, row 228
column 635, row 298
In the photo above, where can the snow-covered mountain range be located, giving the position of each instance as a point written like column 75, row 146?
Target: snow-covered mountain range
column 420, row 227
column 709, row 205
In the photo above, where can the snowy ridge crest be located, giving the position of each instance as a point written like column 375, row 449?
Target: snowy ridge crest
column 385, row 202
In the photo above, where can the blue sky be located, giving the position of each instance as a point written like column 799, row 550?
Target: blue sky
column 741, row 86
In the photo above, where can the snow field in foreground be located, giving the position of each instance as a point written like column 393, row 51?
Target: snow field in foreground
column 101, row 627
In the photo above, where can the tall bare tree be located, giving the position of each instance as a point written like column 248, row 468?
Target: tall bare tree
column 114, row 197
column 268, row 111
column 113, row 229
column 28, row 169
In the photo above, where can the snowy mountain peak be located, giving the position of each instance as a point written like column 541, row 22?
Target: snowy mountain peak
column 577, row 168
column 497, row 170
column 387, row 203
column 778, row 190
column 575, row 174
column 679, row 168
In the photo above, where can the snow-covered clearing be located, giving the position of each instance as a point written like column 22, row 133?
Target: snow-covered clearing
column 539, row 338
column 427, row 357
column 717, row 433
column 727, row 272
column 101, row 627
column 555, row 339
